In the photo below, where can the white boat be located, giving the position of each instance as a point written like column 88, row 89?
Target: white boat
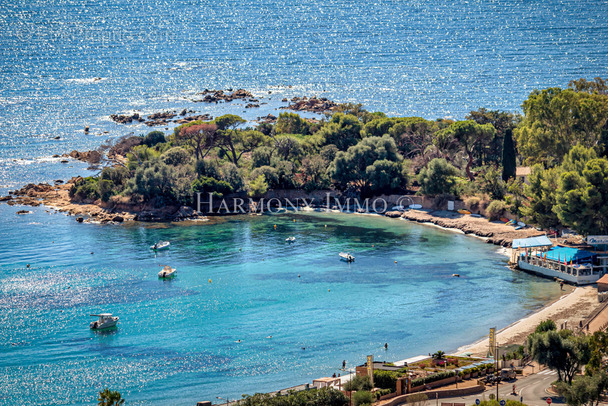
column 345, row 256
column 398, row 208
column 167, row 272
column 290, row 239
column 106, row 320
column 160, row 245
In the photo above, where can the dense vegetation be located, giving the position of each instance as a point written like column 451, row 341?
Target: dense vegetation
column 320, row 397
column 562, row 135
column 569, row 354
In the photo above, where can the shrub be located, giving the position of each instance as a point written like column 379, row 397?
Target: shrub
column 472, row 203
column 382, row 392
column 176, row 156
column 495, row 209
column 547, row 325
column 386, row 379
column 358, row 383
column 433, row 378
column 363, row 398
column 85, row 189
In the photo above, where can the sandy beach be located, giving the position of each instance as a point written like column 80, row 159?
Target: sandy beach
column 568, row 310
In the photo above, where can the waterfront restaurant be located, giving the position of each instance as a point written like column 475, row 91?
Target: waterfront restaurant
column 576, row 266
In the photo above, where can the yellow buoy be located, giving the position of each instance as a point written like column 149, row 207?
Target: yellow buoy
column 209, row 280
column 325, row 225
column 395, row 261
column 28, row 265
column 275, row 226
column 329, row 290
column 294, row 220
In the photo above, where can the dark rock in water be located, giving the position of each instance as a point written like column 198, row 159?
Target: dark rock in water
column 56, row 156
column 24, row 212
column 86, row 129
column 58, row 181
column 183, row 113
column 118, row 219
column 5, row 198
column 64, row 161
column 57, row 138
column 79, row 219
column 251, row 105
column 184, row 212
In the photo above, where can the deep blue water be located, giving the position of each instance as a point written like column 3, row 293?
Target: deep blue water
column 176, row 343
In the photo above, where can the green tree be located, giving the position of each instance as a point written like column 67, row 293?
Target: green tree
column 556, row 119
column 582, row 201
column 584, row 390
column 560, row 351
column 201, row 137
column 258, row 186
column 153, row 138
column 413, row 135
column 363, row 398
column 472, row 137
column 233, row 142
column 108, row 397
column 291, row 123
column 502, row 121
column 373, row 165
column 312, row 174
column 541, row 196
column 509, row 165
column 438, row 177
column 343, row 131
column 547, row 325
column 176, row 156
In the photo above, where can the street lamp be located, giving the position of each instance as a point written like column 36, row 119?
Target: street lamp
column 227, row 400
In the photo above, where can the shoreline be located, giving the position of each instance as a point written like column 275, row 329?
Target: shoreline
column 567, row 311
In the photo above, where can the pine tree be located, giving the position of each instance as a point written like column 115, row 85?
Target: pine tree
column 508, row 156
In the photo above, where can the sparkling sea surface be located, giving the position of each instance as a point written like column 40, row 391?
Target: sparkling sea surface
column 71, row 63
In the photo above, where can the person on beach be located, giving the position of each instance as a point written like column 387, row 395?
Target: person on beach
column 386, row 346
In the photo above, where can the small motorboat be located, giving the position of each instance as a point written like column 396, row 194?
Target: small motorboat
column 106, row 320
column 345, row 256
column 290, row 239
column 160, row 245
column 167, row 272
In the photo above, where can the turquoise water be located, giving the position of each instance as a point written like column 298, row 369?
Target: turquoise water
column 237, row 280
column 177, row 339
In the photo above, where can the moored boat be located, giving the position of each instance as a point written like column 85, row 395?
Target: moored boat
column 345, row 256
column 160, row 245
column 106, row 320
column 290, row 239
column 167, row 272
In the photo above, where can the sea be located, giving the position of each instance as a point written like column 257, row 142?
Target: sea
column 296, row 309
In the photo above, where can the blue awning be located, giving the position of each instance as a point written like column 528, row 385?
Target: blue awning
column 540, row 241
column 568, row 254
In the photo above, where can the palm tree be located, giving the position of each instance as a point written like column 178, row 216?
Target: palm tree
column 439, row 355
column 109, row 397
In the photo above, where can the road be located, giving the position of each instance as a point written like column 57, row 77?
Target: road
column 531, row 388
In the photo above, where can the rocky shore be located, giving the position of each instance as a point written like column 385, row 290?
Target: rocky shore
column 57, row 197
column 496, row 232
